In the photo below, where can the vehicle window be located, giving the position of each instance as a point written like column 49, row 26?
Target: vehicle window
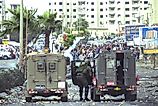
column 52, row 66
column 110, row 63
column 40, row 66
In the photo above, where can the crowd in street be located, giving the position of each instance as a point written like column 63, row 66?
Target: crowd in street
column 82, row 51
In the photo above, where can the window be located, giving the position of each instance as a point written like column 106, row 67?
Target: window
column 74, row 16
column 126, row 9
column 92, row 9
column 119, row 15
column 55, row 3
column 54, row 9
column 92, row 3
column 127, row 22
column 49, row 3
column 110, row 63
column 74, row 3
column 60, row 3
column 68, row 16
column 60, row 16
column 68, row 23
column 145, row 8
column 52, row 66
column 119, row 9
column 126, row 15
column 40, row 66
column 74, row 10
column 126, row 2
column 67, row 3
column 60, row 9
column 101, row 3
column 145, row 2
column 101, row 9
column 67, row 10
column 92, row 16
column 101, row 16
column 118, row 2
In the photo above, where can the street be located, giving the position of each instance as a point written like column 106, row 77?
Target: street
column 10, row 63
column 147, row 92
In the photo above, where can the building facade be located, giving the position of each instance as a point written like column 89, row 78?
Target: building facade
column 154, row 12
column 108, row 14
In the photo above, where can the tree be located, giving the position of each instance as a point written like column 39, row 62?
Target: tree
column 81, row 25
column 48, row 25
column 12, row 26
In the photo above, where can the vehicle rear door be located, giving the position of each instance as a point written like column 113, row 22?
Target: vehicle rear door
column 110, row 68
column 129, row 69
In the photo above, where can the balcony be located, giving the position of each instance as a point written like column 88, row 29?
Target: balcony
column 112, row 12
column 112, row 8
column 111, row 2
column 135, row 5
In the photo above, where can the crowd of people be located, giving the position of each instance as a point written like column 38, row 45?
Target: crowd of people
column 82, row 51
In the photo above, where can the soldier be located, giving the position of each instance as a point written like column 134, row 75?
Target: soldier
column 84, row 80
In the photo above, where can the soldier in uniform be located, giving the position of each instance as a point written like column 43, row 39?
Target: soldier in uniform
column 84, row 80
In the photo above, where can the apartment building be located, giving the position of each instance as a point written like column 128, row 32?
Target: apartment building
column 102, row 14
column 154, row 12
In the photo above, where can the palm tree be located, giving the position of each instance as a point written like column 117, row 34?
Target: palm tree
column 13, row 24
column 81, row 25
column 48, row 25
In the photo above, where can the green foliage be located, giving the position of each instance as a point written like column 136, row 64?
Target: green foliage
column 81, row 25
column 69, row 41
column 13, row 24
column 49, row 24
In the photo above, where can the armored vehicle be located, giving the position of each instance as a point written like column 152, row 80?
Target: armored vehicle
column 115, row 74
column 46, row 76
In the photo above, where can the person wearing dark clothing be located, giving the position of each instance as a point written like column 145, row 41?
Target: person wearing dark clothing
column 84, row 79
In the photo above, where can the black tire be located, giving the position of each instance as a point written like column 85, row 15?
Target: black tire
column 28, row 99
column 64, row 99
column 94, row 96
column 5, row 57
column 130, row 97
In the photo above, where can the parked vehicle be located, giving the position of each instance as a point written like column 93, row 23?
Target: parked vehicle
column 5, row 54
column 115, row 74
column 46, row 76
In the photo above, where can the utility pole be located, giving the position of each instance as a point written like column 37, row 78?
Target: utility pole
column 26, row 41
column 21, row 37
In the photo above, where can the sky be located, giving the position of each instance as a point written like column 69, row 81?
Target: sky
column 42, row 5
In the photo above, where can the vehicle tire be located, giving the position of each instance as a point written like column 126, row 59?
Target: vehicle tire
column 5, row 57
column 28, row 99
column 94, row 96
column 130, row 97
column 64, row 99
